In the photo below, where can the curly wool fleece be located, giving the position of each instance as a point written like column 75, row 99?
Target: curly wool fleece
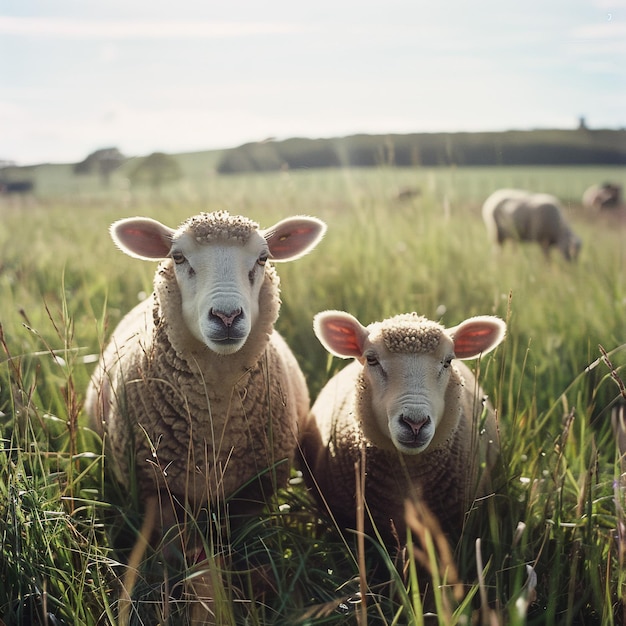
column 410, row 333
column 207, row 227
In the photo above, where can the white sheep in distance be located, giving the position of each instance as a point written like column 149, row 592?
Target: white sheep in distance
column 196, row 392
column 603, row 196
column 524, row 216
column 415, row 410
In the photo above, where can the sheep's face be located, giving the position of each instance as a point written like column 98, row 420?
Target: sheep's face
column 219, row 262
column 408, row 383
column 407, row 392
column 219, row 286
column 570, row 245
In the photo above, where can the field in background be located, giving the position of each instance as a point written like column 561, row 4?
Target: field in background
column 64, row 287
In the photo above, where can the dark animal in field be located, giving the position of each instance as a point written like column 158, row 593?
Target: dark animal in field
column 530, row 217
column 17, row 186
column 404, row 194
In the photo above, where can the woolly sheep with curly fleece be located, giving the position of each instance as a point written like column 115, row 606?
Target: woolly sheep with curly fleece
column 195, row 384
column 414, row 409
column 525, row 216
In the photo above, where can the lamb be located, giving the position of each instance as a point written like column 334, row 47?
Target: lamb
column 413, row 408
column 525, row 216
column 196, row 392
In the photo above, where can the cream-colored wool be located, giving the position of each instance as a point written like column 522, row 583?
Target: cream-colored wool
column 177, row 406
column 208, row 227
column 410, row 333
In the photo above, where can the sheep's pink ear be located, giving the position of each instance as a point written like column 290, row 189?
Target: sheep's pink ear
column 340, row 333
column 477, row 335
column 293, row 237
column 142, row 238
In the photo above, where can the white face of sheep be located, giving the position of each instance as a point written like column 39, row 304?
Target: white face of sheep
column 219, row 278
column 407, row 387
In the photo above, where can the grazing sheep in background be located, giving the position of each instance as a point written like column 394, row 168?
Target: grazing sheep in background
column 195, row 387
column 405, row 194
column 525, row 216
column 415, row 411
column 604, row 196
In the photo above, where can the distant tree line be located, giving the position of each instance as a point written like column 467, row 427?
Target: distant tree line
column 536, row 147
column 154, row 170
column 102, row 162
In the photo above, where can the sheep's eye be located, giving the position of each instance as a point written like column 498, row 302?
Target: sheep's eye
column 372, row 361
column 178, row 257
column 262, row 260
column 447, row 361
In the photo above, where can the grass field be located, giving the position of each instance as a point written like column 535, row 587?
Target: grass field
column 560, row 516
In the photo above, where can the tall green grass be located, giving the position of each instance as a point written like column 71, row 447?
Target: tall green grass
column 65, row 531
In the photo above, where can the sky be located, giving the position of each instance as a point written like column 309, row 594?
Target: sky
column 187, row 75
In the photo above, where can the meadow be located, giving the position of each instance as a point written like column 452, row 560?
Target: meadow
column 552, row 546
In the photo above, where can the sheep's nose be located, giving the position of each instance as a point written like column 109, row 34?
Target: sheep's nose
column 227, row 318
column 415, row 426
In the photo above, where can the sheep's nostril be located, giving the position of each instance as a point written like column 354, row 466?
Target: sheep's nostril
column 227, row 318
column 415, row 426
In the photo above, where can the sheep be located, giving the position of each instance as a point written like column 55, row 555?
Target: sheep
column 525, row 216
column 196, row 393
column 413, row 409
column 404, row 194
column 604, row 196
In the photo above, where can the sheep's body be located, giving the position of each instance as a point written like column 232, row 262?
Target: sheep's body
column 535, row 217
column 417, row 425
column 604, row 196
column 229, row 423
column 199, row 418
